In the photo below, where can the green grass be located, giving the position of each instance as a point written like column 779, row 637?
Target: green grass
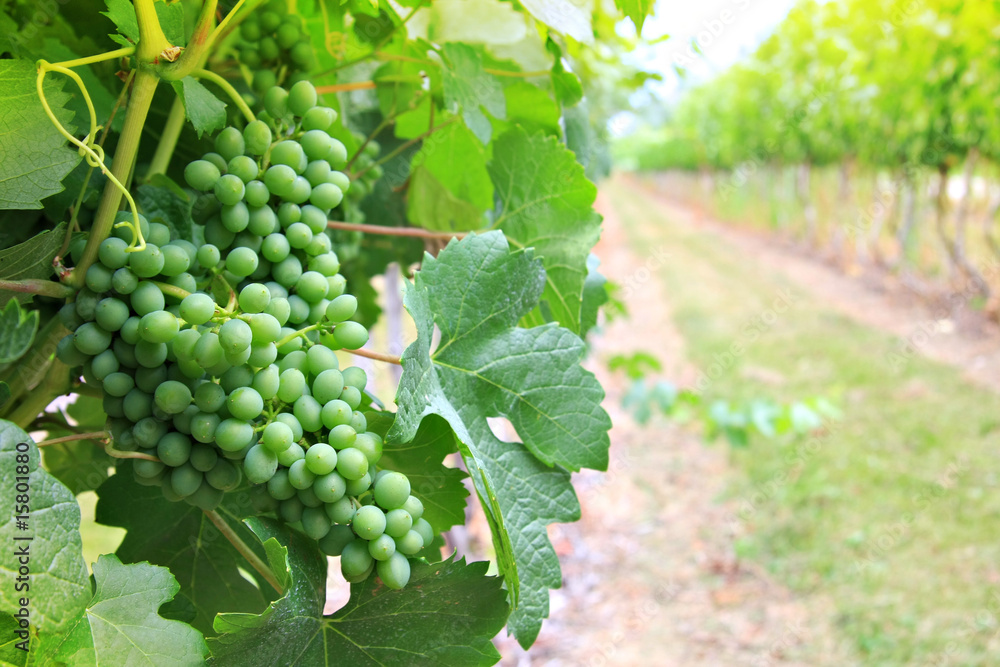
column 894, row 514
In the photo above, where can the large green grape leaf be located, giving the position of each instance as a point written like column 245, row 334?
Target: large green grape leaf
column 58, row 586
column 446, row 615
column 31, row 259
column 206, row 112
column 439, row 487
column 17, row 331
column 180, row 537
column 546, row 203
column 484, row 366
column 469, row 89
column 121, row 624
column 637, row 10
column 171, row 18
column 34, row 157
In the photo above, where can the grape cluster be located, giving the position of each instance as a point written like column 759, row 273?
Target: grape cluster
column 218, row 360
column 367, row 174
column 272, row 41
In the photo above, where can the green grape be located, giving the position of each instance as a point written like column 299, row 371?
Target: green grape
column 392, row 490
column 124, row 232
column 98, row 278
column 159, row 234
column 118, row 384
column 150, row 355
column 360, row 424
column 327, row 385
column 149, row 378
column 112, row 253
column 254, row 298
column 394, row 572
column 287, row 271
column 319, row 118
column 342, row 437
column 316, row 144
column 233, row 434
column 340, row 179
column 105, row 364
column 350, row 335
column 277, row 437
column 245, row 403
column 229, row 189
column 342, row 308
column 197, row 308
column 174, row 449
column 302, row 55
column 313, row 218
column 209, row 397
column 67, row 352
column 352, row 464
column 184, row 281
column 209, row 256
column 217, row 234
column 235, row 218
column 262, row 500
column 335, row 540
column 279, row 487
column 172, row 397
column 398, row 523
column 148, row 432
column 307, row 410
column 159, row 326
column 206, row 497
column 287, row 35
column 244, row 167
column 264, row 78
column 111, row 314
column 263, row 221
column 257, row 137
column 289, row 153
column 229, row 143
column 235, row 336
column 291, row 455
column 321, row 459
column 300, row 476
column 260, row 464
column 236, row 377
column 146, row 263
column 264, row 328
column 370, row 444
column 203, row 426
column 355, row 559
column 311, row 286
column 317, row 171
column 183, row 345
column 425, row 530
column 276, row 102
column 242, row 261
column 279, row 310
column 147, row 469
column 314, row 523
column 326, row 263
column 266, row 382
column 208, row 350
column 257, row 194
column 338, row 155
column 330, row 487
column 146, row 298
column 262, row 356
column 409, row 544
column 68, row 316
column 289, row 213
column 292, row 422
column 125, row 353
column 337, row 285
column 299, row 235
column 292, row 386
column 203, row 458
column 279, row 179
column 224, row 476
column 250, row 30
column 202, row 175
column 308, row 498
column 175, row 260
column 137, row 404
column 291, row 510
column 298, row 309
column 369, row 522
column 334, row 413
column 185, row 480
column 301, row 98
column 382, row 547
column 301, row 190
column 91, row 339
column 275, row 247
column 248, row 240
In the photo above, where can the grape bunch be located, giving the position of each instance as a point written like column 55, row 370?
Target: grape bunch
column 273, row 42
column 368, row 173
column 217, row 361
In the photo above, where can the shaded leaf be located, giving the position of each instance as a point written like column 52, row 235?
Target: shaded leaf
column 206, row 112
column 30, row 259
column 162, row 201
column 17, row 331
column 469, row 89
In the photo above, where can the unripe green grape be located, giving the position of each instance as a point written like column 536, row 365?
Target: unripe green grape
column 409, row 544
column 335, row 286
column 298, row 309
column 279, row 310
column 330, row 488
column 293, row 423
column 208, row 350
column 264, row 327
column 250, row 30
column 261, row 500
column 338, row 155
column 275, row 247
column 229, row 143
column 289, row 213
column 342, row 437
column 342, row 308
column 146, row 298
column 291, row 510
column 98, row 278
column 317, row 171
column 382, row 547
column 301, row 98
column 185, row 480
column 292, row 385
column 287, row 271
column 263, row 221
column 394, row 572
column 235, row 336
column 217, row 234
column 328, row 386
column 319, row 118
column 356, row 564
column 158, row 327
column 291, row 455
column 279, row 486
column 175, row 260
column 235, row 218
column 424, row 529
column 148, row 432
column 91, row 339
column 137, row 405
column 147, row 469
column 118, row 384
column 307, row 410
column 316, row 144
column 340, row 179
column 159, row 234
column 276, row 102
column 229, row 189
column 204, row 425
column 262, row 356
column 369, row 522
column 335, row 412
column 104, row 364
column 325, row 263
column 314, row 523
column 112, row 253
column 254, row 298
column 113, row 407
column 277, row 437
column 301, row 54
column 300, row 476
column 266, row 382
column 311, row 286
column 233, row 434
column 398, row 523
column 248, row 240
column 183, row 345
column 370, row 444
column 301, row 190
column 244, row 167
column 202, row 175
column 125, row 353
column 342, row 510
column 150, row 355
column 174, row 449
column 224, row 476
column 172, row 397
column 146, row 263
column 111, row 314
column 236, row 377
column 242, row 261
column 321, row 459
column 260, row 464
column 287, row 152
column 203, row 458
column 256, row 194
column 257, row 137
column 197, row 308
column 125, row 232
column 279, row 179
column 350, row 335
column 206, row 497
column 298, row 234
column 392, row 490
column 352, row 464
column 338, row 537
column 69, row 318
column 326, row 196
column 287, row 35
column 209, row 256
column 209, row 397
column 269, row 50
column 245, row 403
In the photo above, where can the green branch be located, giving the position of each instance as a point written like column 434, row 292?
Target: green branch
column 40, row 287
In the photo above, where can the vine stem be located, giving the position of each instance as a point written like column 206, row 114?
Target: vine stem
column 296, row 334
column 229, row 90
column 393, row 231
column 345, row 87
column 152, row 41
column 40, row 287
column 93, row 435
column 244, row 550
column 172, row 290
column 377, row 356
column 168, row 140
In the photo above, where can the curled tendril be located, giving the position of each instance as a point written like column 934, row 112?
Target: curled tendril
column 92, row 152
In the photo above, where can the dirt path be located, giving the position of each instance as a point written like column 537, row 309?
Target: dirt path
column 951, row 332
column 650, row 576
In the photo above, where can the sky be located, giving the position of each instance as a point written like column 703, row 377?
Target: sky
column 725, row 31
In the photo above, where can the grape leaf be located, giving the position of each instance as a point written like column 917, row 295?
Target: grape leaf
column 446, row 615
column 122, row 14
column 180, row 536
column 637, row 10
column 164, row 202
column 439, row 488
column 595, row 295
column 82, row 465
column 121, row 626
column 467, row 87
column 30, row 259
column 532, row 377
column 570, row 17
column 431, row 205
column 17, row 331
column 10, row 654
column 532, row 108
column 59, row 583
column 205, row 111
column 34, row 157
column 546, row 202
column 171, row 18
